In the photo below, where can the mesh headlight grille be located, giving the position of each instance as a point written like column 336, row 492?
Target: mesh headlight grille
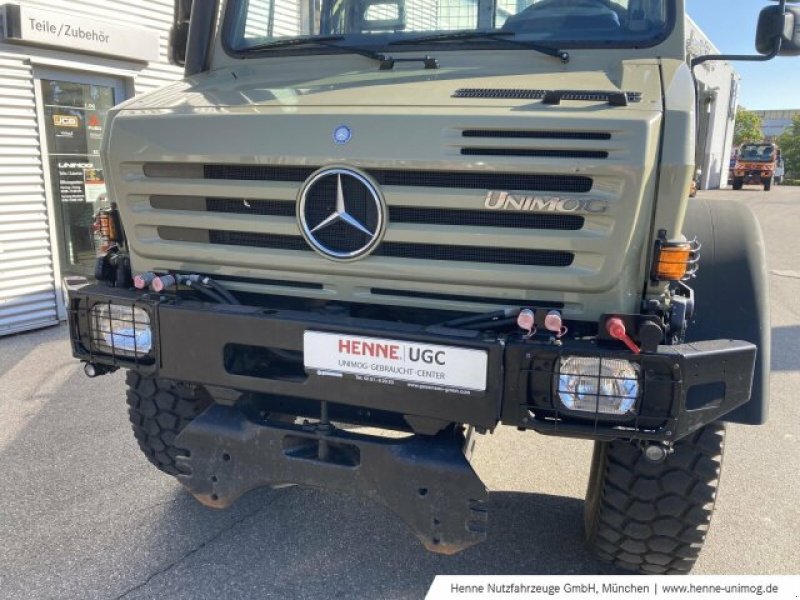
column 120, row 330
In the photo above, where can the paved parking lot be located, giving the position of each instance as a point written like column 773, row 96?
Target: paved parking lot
column 82, row 514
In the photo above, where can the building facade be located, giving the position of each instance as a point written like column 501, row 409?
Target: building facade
column 63, row 64
column 718, row 98
column 776, row 122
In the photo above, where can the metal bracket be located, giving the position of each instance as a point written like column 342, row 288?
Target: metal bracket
column 425, row 480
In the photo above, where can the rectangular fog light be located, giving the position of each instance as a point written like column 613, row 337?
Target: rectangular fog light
column 121, row 330
column 598, row 385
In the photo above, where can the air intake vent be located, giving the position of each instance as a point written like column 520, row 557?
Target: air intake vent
column 434, row 179
column 523, row 94
column 397, row 214
column 536, row 135
column 534, row 152
column 406, row 250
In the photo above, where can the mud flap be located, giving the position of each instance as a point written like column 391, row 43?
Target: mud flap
column 426, row 480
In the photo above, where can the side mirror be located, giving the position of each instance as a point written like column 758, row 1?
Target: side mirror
column 179, row 33
column 773, row 25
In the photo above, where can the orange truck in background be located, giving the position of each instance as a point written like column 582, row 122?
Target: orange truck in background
column 755, row 165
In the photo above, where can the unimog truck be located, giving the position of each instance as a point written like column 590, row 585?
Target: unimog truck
column 361, row 233
column 756, row 164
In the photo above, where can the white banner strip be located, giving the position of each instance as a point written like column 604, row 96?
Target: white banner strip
column 630, row 587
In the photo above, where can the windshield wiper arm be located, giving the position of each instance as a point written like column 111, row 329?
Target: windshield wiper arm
column 386, row 62
column 491, row 35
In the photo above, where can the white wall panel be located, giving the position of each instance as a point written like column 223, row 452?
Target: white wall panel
column 28, row 290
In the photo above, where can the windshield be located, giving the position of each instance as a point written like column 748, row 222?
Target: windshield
column 562, row 23
column 758, row 152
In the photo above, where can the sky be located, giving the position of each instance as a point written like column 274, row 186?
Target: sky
column 731, row 27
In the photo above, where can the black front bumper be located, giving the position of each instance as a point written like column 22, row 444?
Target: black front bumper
column 426, row 479
column 683, row 387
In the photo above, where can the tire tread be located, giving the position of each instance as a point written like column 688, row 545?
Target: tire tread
column 654, row 518
column 159, row 409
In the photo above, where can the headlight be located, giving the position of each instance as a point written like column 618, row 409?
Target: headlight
column 121, row 330
column 598, row 385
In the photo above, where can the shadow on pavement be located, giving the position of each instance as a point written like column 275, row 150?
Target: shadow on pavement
column 301, row 542
column 786, row 348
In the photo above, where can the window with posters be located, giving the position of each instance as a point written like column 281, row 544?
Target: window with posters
column 75, row 116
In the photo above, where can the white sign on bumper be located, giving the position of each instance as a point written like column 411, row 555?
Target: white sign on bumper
column 430, row 364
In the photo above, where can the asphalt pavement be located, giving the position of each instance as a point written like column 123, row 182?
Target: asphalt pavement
column 84, row 515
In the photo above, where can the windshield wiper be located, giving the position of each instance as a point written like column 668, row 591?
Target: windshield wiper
column 490, row 35
column 386, row 62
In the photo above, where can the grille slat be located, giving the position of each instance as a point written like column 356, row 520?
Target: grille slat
column 478, row 254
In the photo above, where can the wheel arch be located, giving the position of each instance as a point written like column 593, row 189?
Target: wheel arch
column 732, row 290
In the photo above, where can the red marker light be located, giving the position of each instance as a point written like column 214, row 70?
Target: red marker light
column 527, row 321
column 616, row 329
column 142, row 280
column 554, row 323
column 161, row 283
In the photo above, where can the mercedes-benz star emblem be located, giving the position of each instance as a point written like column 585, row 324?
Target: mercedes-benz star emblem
column 341, row 213
column 342, row 134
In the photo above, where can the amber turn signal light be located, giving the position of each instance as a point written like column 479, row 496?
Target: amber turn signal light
column 675, row 261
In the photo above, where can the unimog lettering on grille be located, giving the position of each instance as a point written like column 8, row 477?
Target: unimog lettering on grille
column 521, row 202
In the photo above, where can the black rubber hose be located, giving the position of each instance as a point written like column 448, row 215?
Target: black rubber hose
column 211, row 294
column 482, row 318
column 220, row 290
column 492, row 324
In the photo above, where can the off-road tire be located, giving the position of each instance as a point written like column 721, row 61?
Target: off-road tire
column 737, row 183
column 159, row 409
column 653, row 517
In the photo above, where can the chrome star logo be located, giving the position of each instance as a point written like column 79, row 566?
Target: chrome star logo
column 341, row 214
column 354, row 226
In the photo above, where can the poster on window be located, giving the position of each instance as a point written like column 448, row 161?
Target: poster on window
column 94, row 185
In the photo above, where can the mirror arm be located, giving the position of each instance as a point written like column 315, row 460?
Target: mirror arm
column 743, row 57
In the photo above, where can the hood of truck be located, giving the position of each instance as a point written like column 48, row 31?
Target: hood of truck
column 327, row 84
column 208, row 173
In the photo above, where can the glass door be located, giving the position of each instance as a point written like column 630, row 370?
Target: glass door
column 75, row 109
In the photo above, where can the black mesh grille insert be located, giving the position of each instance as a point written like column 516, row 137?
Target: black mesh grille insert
column 534, row 152
column 258, row 173
column 440, row 179
column 511, row 256
column 485, row 218
column 412, row 214
column 257, row 240
column 501, row 256
column 523, row 94
column 273, row 208
column 536, row 135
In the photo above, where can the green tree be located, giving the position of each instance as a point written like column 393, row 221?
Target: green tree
column 748, row 127
column 789, row 143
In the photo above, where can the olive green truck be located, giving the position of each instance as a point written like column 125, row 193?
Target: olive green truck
column 359, row 233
